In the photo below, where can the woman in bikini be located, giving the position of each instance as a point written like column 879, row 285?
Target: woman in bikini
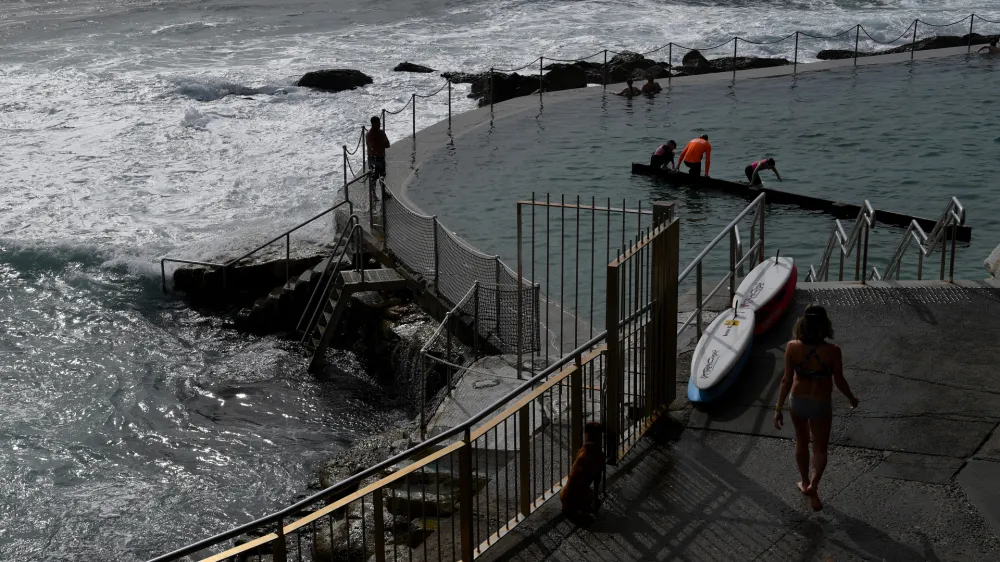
column 812, row 367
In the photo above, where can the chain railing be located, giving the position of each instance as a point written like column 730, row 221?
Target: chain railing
column 286, row 236
column 856, row 241
column 943, row 231
column 796, row 37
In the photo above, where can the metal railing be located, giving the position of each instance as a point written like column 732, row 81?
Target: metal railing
column 862, row 36
column 848, row 243
column 351, row 235
column 284, row 235
column 754, row 255
column 944, row 229
column 493, row 473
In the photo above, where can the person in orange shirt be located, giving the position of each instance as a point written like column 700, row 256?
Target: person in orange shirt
column 693, row 153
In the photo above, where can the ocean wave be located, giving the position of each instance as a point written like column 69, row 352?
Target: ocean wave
column 185, row 28
column 210, row 89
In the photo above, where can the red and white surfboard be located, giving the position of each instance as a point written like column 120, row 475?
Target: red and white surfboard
column 768, row 290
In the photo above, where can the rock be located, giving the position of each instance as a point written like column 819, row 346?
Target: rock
column 565, row 78
column 836, row 54
column 626, row 64
column 725, row 64
column 586, row 65
column 504, row 87
column 411, row 67
column 334, row 80
column 464, row 77
column 694, row 59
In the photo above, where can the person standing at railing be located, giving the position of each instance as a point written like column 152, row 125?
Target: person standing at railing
column 753, row 170
column 377, row 142
column 663, row 157
column 812, row 366
column 693, row 153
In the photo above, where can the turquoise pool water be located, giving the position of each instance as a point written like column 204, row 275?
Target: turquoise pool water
column 906, row 136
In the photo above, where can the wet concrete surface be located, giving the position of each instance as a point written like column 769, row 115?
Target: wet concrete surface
column 913, row 471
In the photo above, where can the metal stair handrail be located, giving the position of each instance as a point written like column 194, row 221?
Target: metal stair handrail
column 952, row 217
column 321, row 293
column 864, row 222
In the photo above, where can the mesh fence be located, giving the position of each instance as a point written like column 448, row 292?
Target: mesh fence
column 424, row 246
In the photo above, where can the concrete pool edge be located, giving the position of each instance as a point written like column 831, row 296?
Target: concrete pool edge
column 405, row 156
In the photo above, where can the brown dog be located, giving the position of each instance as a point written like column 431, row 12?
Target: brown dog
column 588, row 468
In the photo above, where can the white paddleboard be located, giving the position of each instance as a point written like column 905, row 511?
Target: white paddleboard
column 763, row 283
column 721, row 347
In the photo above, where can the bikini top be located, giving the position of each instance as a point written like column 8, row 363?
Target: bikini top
column 824, row 372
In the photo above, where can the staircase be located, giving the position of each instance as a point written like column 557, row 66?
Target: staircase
column 338, row 281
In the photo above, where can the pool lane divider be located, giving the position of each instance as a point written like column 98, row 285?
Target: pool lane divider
column 835, row 208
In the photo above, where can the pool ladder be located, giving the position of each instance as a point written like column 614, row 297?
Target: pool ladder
column 856, row 242
column 944, row 229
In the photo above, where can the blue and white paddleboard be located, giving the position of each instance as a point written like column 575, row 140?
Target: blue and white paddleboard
column 721, row 354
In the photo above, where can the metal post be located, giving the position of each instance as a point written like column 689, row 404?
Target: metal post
column 541, row 81
column 163, row 276
column 491, row 88
column 288, row 256
column 795, row 67
column 383, row 118
column 385, row 230
column 524, row 460
column 864, row 258
column 520, row 293
column 475, row 319
column 345, row 165
column 840, row 275
column 364, row 150
column 732, row 264
column 857, row 37
column 449, row 104
column 413, row 99
column 423, row 395
column 972, row 19
column 466, row 493
column 944, row 251
column 920, row 264
column 951, row 269
column 913, row 45
column 437, row 254
column 605, row 69
column 857, row 257
column 279, row 552
column 614, row 367
column 670, row 62
column 379, row 525
column 576, row 406
column 760, row 257
column 698, row 298
column 736, row 41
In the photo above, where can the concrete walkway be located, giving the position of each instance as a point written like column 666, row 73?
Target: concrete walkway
column 913, row 472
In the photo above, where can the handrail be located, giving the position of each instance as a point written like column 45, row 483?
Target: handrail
column 277, row 516
column 735, row 262
column 864, row 222
column 952, row 217
column 285, row 235
column 336, row 259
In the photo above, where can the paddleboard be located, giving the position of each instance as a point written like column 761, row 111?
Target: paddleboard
column 768, row 290
column 721, row 354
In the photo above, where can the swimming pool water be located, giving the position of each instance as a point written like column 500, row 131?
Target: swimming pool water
column 906, row 136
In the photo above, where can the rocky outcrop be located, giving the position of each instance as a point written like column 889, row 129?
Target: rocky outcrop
column 627, row 65
column 566, row 78
column 411, row 67
column 936, row 42
column 334, row 80
column 695, row 63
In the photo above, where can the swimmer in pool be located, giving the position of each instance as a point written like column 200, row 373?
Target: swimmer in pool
column 991, row 49
column 629, row 90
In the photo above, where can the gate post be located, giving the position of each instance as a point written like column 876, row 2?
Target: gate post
column 663, row 348
column 615, row 367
